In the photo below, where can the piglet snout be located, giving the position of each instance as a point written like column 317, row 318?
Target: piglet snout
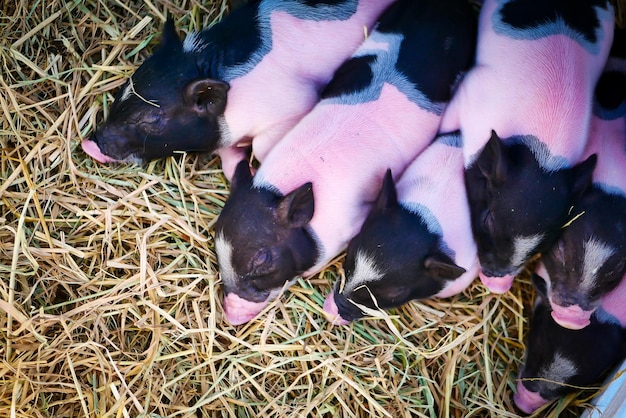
column 92, row 149
column 526, row 400
column 239, row 311
column 497, row 285
column 332, row 311
column 571, row 317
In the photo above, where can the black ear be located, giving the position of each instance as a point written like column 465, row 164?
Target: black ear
column 387, row 197
column 441, row 266
column 206, row 96
column 492, row 161
column 169, row 36
column 582, row 176
column 296, row 208
column 242, row 176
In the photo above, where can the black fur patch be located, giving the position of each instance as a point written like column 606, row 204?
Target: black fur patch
column 580, row 15
column 353, row 76
column 446, row 46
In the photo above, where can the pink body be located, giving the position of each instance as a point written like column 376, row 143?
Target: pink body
column 506, row 91
column 509, row 91
column 344, row 150
column 435, row 180
column 264, row 104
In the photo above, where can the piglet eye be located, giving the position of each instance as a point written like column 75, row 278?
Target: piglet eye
column 486, row 220
column 261, row 262
column 151, row 118
column 397, row 293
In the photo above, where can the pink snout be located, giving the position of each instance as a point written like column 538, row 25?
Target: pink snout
column 239, row 311
column 571, row 317
column 526, row 400
column 91, row 148
column 497, row 285
column 332, row 312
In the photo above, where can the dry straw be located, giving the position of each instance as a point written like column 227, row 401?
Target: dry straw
column 109, row 298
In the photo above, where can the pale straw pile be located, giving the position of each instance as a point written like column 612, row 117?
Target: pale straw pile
column 109, row 293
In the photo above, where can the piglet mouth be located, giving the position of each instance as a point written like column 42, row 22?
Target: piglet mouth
column 571, row 317
column 93, row 150
column 238, row 310
column 497, row 285
column 332, row 311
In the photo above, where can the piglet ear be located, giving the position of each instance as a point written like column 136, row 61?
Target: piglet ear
column 206, row 96
column 492, row 160
column 582, row 176
column 169, row 36
column 440, row 266
column 387, row 197
column 295, row 209
column 242, row 177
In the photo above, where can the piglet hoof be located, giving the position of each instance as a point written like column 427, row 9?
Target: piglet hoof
column 498, row 285
column 239, row 311
column 332, row 311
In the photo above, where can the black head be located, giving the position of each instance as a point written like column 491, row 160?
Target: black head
column 166, row 106
column 392, row 260
column 588, row 260
column 517, row 208
column 561, row 358
column 262, row 238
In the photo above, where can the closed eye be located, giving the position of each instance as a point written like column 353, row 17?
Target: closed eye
column 487, row 221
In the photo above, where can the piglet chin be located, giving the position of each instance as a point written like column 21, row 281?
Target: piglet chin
column 332, row 311
column 239, row 311
column 571, row 317
column 92, row 149
column 497, row 285
column 526, row 400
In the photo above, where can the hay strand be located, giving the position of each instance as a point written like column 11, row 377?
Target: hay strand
column 110, row 305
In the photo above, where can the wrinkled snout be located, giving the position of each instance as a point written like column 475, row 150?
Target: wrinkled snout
column 332, row 311
column 92, row 149
column 239, row 311
column 526, row 400
column 571, row 317
column 496, row 284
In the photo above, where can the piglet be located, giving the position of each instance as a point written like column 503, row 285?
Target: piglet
column 315, row 188
column 560, row 360
column 271, row 58
column 589, row 258
column 416, row 242
column 524, row 113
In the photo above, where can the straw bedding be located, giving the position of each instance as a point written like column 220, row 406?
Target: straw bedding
column 110, row 298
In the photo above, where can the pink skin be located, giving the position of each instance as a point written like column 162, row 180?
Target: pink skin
column 239, row 311
column 498, row 285
column 571, row 317
column 526, row 400
column 501, row 92
column 91, row 148
column 614, row 302
column 332, row 312
column 303, row 58
column 443, row 192
column 391, row 132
